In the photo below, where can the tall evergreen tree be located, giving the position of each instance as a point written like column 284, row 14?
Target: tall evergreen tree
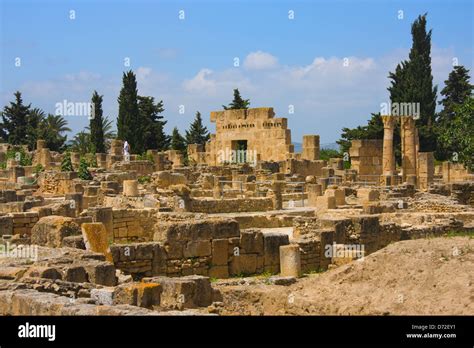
column 198, row 133
column 238, row 102
column 412, row 82
column 15, row 121
column 128, row 121
column 96, row 125
column 177, row 141
column 153, row 130
column 456, row 91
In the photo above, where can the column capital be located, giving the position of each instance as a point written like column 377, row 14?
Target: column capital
column 389, row 121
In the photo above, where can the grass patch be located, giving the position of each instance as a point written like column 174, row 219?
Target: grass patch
column 452, row 234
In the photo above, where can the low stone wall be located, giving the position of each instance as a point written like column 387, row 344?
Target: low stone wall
column 212, row 206
column 133, row 224
column 304, row 167
column 365, row 233
column 24, row 222
column 215, row 248
column 56, row 182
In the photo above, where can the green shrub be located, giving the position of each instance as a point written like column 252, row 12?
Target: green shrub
column 66, row 164
column 84, row 173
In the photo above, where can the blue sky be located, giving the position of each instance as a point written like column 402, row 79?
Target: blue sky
column 190, row 62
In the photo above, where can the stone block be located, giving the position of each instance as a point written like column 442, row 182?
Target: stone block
column 95, row 238
column 271, row 250
column 220, row 249
column 368, row 194
column 243, row 264
column 197, row 248
column 251, row 241
column 102, row 273
column 325, row 202
column 51, row 230
column 76, row 274
column 290, row 262
column 219, row 272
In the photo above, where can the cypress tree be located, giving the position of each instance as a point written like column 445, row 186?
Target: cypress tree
column 15, row 121
column 412, row 82
column 238, row 102
column 96, row 125
column 153, row 134
column 198, row 133
column 178, row 142
column 128, row 122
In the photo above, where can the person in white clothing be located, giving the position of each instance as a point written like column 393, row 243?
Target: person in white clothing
column 126, row 151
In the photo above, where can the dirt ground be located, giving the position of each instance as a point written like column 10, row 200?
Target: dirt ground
column 418, row 277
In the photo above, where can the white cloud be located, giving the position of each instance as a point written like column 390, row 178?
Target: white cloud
column 327, row 94
column 260, row 60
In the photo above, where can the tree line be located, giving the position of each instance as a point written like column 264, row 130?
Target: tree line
column 140, row 121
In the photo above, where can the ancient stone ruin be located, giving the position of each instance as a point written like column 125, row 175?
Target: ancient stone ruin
column 158, row 236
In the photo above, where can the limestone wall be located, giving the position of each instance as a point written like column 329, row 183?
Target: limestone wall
column 215, row 248
column 305, row 167
column 212, row 206
column 366, row 156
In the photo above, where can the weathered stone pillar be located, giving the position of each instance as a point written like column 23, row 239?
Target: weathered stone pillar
column 314, row 191
column 409, row 149
column 425, row 169
column 310, row 150
column 388, row 157
column 277, row 187
column 130, row 188
column 40, row 144
column 45, row 158
column 290, row 261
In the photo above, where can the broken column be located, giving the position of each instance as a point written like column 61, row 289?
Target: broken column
column 310, row 149
column 130, row 188
column 290, row 262
column 276, row 188
column 425, row 169
column 388, row 157
column 408, row 149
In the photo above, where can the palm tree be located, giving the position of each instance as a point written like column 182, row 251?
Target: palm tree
column 57, row 123
column 35, row 118
column 51, row 130
column 81, row 143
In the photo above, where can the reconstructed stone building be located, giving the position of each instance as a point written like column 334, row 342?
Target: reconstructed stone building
column 254, row 131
